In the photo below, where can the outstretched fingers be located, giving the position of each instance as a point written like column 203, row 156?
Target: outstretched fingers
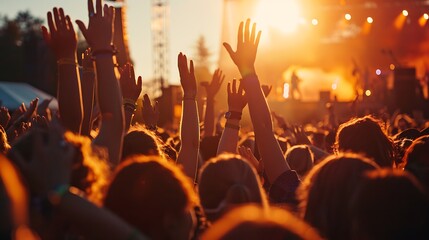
column 51, row 25
column 98, row 7
column 246, row 31
column 257, row 39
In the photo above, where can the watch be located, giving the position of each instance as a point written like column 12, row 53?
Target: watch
column 233, row 115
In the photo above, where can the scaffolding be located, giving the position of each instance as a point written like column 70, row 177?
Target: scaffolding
column 160, row 17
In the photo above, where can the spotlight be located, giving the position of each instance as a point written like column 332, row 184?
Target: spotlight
column 348, row 17
column 378, row 72
column 314, row 21
column 405, row 12
column 369, row 20
column 392, row 66
column 423, row 19
column 368, row 93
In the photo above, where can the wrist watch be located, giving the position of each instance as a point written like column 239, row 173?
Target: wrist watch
column 233, row 115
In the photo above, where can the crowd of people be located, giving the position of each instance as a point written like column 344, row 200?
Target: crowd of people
column 88, row 172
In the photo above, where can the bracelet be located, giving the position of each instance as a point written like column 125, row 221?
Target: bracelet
column 56, row 195
column 233, row 126
column 67, row 61
column 103, row 52
column 130, row 110
column 130, row 107
column 129, row 101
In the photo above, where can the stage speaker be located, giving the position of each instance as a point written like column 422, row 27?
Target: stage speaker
column 405, row 89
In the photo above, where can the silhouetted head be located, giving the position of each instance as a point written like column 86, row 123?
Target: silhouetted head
column 417, row 160
column 140, row 141
column 366, row 136
column 300, row 158
column 227, row 181
column 390, row 204
column 252, row 222
column 326, row 191
column 154, row 196
column 403, row 121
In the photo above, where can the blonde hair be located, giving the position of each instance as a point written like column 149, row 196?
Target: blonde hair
column 91, row 171
column 253, row 222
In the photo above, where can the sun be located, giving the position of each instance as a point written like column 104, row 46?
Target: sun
column 281, row 15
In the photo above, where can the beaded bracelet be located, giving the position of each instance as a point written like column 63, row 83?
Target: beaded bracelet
column 130, row 107
column 129, row 101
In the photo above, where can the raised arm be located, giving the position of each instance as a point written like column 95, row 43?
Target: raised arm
column 244, row 57
column 189, row 124
column 130, row 92
column 211, row 89
column 88, row 86
column 236, row 102
column 99, row 36
column 63, row 41
column 150, row 113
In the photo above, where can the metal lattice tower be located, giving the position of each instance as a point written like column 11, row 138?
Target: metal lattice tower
column 160, row 20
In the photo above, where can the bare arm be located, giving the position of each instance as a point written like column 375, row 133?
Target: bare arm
column 88, row 86
column 63, row 41
column 211, row 90
column 99, row 36
column 244, row 58
column 130, row 92
column 236, row 102
column 189, row 124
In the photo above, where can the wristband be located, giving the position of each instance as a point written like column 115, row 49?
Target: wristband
column 233, row 126
column 233, row 115
column 130, row 107
column 129, row 101
column 112, row 51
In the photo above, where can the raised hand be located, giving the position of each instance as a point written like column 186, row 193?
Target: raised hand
column 187, row 77
column 150, row 113
column 43, row 108
column 266, row 89
column 247, row 46
column 300, row 136
column 213, row 87
column 50, row 163
column 130, row 89
column 236, row 98
column 99, row 33
column 61, row 36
